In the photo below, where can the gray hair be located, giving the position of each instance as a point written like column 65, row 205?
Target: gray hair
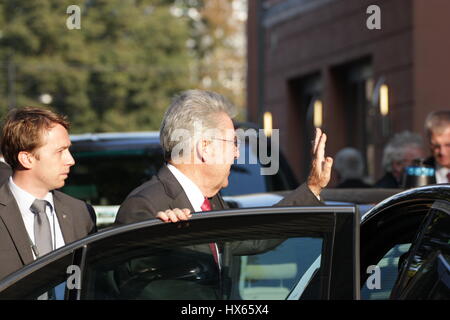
column 397, row 146
column 188, row 110
column 437, row 122
column 349, row 163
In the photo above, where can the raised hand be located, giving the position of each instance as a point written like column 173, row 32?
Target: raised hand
column 320, row 173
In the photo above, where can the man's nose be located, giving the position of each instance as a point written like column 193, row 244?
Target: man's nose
column 70, row 159
column 236, row 152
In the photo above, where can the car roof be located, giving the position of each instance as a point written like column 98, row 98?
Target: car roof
column 108, row 136
column 424, row 194
column 115, row 141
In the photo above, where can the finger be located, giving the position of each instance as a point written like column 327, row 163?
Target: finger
column 172, row 216
column 162, row 216
column 187, row 212
column 320, row 152
column 326, row 172
column 181, row 215
column 316, row 140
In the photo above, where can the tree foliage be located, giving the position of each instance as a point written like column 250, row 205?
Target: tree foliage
column 117, row 73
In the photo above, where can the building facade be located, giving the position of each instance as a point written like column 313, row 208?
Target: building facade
column 328, row 63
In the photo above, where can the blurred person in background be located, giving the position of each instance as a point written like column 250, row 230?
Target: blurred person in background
column 349, row 165
column 399, row 153
column 437, row 131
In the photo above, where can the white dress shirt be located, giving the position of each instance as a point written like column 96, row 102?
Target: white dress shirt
column 193, row 192
column 441, row 174
column 24, row 201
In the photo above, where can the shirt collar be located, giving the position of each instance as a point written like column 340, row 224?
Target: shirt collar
column 192, row 191
column 24, row 198
column 441, row 173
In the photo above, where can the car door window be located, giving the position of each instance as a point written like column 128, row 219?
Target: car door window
column 274, row 274
column 45, row 283
column 425, row 274
column 388, row 271
column 262, row 257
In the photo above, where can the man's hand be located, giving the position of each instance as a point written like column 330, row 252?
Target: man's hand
column 174, row 215
column 321, row 167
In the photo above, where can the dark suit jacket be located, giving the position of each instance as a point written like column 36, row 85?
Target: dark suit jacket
column 164, row 192
column 387, row 181
column 75, row 217
column 5, row 172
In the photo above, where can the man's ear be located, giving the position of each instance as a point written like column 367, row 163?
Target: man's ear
column 26, row 159
column 203, row 150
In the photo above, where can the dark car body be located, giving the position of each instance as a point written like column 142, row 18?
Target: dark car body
column 327, row 252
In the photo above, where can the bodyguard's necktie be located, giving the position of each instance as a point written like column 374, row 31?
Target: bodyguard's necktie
column 42, row 232
column 448, row 177
column 206, row 206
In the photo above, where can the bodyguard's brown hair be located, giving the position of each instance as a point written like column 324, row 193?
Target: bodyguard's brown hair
column 23, row 130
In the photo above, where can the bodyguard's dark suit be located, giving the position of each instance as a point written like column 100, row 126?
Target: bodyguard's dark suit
column 75, row 217
column 5, row 172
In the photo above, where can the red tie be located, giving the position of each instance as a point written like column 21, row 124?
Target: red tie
column 206, row 206
column 448, row 177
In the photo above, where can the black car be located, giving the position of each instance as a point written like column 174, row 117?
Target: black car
column 110, row 165
column 327, row 252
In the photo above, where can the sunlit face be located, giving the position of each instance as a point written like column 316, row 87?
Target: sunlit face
column 52, row 161
column 440, row 147
column 223, row 151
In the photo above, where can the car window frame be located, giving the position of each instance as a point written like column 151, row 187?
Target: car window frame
column 347, row 215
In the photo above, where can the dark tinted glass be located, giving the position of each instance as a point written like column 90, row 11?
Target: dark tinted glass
column 432, row 280
column 426, row 268
column 106, row 177
column 47, row 283
column 260, row 260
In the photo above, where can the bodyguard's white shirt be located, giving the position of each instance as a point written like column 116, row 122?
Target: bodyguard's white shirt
column 193, row 192
column 441, row 174
column 24, row 201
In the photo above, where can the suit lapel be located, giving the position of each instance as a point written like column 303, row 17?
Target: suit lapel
column 64, row 218
column 12, row 218
column 174, row 190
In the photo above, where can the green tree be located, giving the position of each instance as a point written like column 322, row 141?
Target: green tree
column 117, row 73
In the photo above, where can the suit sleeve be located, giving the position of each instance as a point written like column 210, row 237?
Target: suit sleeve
column 302, row 196
column 136, row 208
column 93, row 216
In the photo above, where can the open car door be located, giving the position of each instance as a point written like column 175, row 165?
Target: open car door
column 265, row 253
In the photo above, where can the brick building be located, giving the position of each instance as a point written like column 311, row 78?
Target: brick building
column 307, row 57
